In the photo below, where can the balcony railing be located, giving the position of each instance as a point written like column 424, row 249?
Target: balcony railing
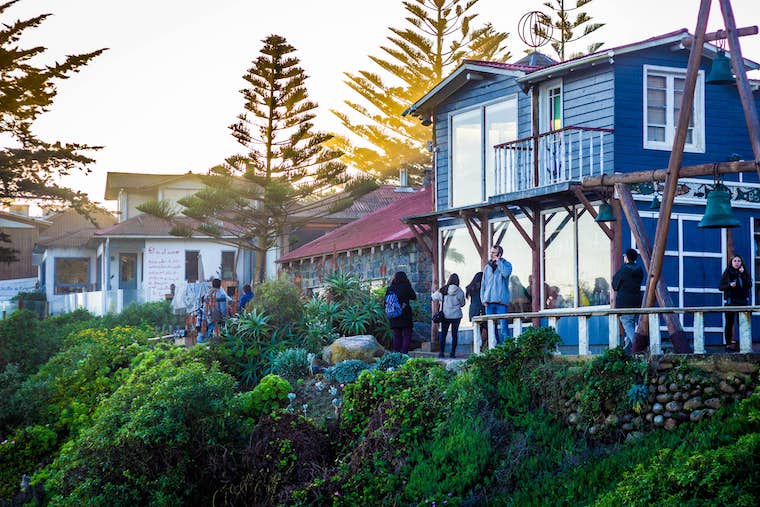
column 567, row 154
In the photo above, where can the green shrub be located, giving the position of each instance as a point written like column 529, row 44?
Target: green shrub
column 391, row 360
column 292, row 363
column 281, row 302
column 158, row 314
column 21, row 453
column 346, row 371
column 32, row 295
column 271, row 394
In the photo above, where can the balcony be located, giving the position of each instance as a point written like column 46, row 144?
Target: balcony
column 564, row 155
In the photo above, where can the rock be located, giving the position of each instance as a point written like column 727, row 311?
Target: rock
column 568, row 404
column 697, row 415
column 670, row 423
column 611, row 420
column 662, row 388
column 634, row 435
column 593, row 430
column 664, row 366
column 627, row 417
column 667, row 415
column 649, row 417
column 658, row 420
column 673, row 387
column 713, row 403
column 627, row 427
column 637, row 422
column 673, row 406
column 742, row 388
column 726, row 387
column 572, row 418
column 363, row 347
column 681, row 416
column 663, row 398
column 693, row 404
column 658, row 408
column 661, row 379
column 709, row 412
column 695, row 392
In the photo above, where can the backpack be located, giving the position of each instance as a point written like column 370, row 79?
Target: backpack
column 392, row 306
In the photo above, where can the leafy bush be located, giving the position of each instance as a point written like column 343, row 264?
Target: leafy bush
column 157, row 314
column 391, row 360
column 32, row 295
column 292, row 363
column 281, row 302
column 270, row 395
column 346, row 371
column 21, row 453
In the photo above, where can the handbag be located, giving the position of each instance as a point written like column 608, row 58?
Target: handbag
column 438, row 317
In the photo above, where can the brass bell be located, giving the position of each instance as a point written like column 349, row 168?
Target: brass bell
column 605, row 213
column 720, row 71
column 718, row 214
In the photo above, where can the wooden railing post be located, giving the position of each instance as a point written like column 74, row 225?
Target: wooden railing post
column 583, row 346
column 745, row 332
column 699, row 333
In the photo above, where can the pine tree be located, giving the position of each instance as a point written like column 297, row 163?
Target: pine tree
column 563, row 26
column 29, row 166
column 441, row 34
column 261, row 193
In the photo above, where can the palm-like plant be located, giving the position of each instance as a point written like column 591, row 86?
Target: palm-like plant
column 354, row 320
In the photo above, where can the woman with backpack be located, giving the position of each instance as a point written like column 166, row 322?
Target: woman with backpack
column 452, row 300
column 400, row 291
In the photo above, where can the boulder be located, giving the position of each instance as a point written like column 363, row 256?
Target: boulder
column 363, row 347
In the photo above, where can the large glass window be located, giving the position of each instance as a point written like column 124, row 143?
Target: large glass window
column 71, row 275
column 517, row 252
column 594, row 264
column 663, row 93
column 559, row 259
column 461, row 257
column 473, row 136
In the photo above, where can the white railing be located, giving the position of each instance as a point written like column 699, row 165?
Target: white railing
column 567, row 154
column 523, row 320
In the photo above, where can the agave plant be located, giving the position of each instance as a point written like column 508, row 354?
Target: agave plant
column 354, row 320
column 344, row 288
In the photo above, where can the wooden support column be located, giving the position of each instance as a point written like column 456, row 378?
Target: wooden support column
column 742, row 83
column 616, row 252
column 485, row 238
column 535, row 273
column 675, row 330
column 535, row 127
column 676, row 155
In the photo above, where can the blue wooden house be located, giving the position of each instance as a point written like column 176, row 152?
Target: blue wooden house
column 512, row 144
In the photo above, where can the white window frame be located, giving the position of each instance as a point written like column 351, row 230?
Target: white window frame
column 698, row 134
column 450, row 121
column 544, row 108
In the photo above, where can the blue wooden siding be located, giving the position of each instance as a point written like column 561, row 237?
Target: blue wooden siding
column 725, row 127
column 491, row 88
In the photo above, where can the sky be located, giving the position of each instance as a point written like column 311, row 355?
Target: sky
column 161, row 98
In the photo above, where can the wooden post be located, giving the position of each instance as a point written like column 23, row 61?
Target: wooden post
column 535, row 273
column 676, row 155
column 485, row 238
column 436, row 254
column 675, row 330
column 536, row 126
column 742, row 83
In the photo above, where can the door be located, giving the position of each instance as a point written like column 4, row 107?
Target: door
column 128, row 276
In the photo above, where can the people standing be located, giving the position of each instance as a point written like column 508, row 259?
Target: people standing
column 494, row 290
column 452, row 300
column 246, row 297
column 402, row 325
column 735, row 284
column 472, row 291
column 627, row 285
column 218, row 301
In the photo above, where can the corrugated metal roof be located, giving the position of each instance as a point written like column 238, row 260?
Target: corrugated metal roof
column 382, row 226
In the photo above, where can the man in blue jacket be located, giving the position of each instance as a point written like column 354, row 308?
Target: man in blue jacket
column 494, row 289
column 627, row 284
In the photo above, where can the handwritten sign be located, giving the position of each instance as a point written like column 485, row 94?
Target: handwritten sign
column 163, row 267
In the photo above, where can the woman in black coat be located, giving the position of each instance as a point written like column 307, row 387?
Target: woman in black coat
column 402, row 325
column 735, row 284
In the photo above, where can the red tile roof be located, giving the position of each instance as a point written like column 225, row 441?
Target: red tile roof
column 382, row 226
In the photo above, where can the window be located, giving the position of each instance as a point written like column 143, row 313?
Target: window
column 473, row 135
column 71, row 275
column 663, row 92
column 191, row 265
column 228, row 265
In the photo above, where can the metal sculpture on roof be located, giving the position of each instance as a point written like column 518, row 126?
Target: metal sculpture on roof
column 535, row 29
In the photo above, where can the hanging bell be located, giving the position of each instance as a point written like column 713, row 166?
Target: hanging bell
column 605, row 213
column 720, row 72
column 655, row 203
column 718, row 214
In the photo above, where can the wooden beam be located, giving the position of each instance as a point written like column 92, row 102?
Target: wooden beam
column 676, row 154
column 422, row 238
column 675, row 330
column 590, row 208
column 742, row 83
column 722, row 34
column 485, row 238
column 528, row 213
column 660, row 174
column 519, row 227
column 473, row 237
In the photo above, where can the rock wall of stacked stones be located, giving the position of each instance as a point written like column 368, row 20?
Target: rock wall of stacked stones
column 682, row 390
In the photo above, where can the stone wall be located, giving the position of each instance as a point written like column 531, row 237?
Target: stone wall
column 375, row 264
column 681, row 389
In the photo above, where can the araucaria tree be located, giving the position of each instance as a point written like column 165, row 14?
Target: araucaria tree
column 439, row 35
column 261, row 193
column 564, row 20
column 29, row 166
